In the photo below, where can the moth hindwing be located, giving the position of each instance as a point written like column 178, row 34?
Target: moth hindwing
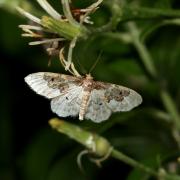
column 82, row 96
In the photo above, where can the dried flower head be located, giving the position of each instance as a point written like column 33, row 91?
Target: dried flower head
column 55, row 29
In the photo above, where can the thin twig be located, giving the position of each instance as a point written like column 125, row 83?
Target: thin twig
column 142, row 50
column 120, row 156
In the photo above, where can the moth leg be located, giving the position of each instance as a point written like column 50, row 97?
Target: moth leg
column 61, row 57
column 65, row 63
column 74, row 70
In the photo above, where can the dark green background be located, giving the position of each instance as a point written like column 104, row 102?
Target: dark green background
column 31, row 150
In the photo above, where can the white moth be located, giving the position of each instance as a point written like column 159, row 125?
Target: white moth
column 73, row 96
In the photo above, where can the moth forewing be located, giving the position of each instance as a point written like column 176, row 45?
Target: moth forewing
column 134, row 99
column 37, row 82
column 120, row 98
column 51, row 85
column 107, row 98
column 73, row 96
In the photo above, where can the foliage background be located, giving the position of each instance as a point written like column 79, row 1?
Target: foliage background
column 30, row 149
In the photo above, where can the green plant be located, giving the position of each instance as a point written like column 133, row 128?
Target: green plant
column 140, row 44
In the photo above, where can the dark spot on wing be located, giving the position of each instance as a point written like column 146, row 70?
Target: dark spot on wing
column 53, row 80
column 60, row 81
column 100, row 85
column 116, row 94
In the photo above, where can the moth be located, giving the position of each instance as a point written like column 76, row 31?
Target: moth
column 82, row 96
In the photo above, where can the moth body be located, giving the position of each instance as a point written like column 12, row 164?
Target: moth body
column 87, row 88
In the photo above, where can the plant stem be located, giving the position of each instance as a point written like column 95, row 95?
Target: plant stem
column 100, row 146
column 67, row 13
column 142, row 50
column 95, row 143
column 123, row 12
column 146, row 12
column 148, row 63
column 171, row 108
column 120, row 156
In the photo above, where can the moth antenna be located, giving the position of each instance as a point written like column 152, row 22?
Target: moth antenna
column 95, row 63
column 83, row 69
column 72, row 68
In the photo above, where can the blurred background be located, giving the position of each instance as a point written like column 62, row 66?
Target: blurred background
column 31, row 150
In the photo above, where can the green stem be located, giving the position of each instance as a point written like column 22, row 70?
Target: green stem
column 121, row 11
column 142, row 50
column 120, row 156
column 99, row 145
column 117, row 13
column 67, row 13
column 148, row 63
column 95, row 143
column 171, row 108
column 145, row 12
